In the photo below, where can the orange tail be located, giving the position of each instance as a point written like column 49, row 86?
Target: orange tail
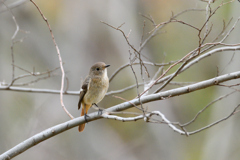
column 82, row 126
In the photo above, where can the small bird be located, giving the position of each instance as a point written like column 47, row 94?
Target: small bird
column 93, row 89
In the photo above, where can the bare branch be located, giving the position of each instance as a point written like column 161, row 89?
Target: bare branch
column 141, row 109
column 136, row 63
column 206, row 107
column 35, row 74
column 13, row 5
column 130, row 45
column 36, row 90
column 178, row 91
column 173, row 75
column 59, row 57
column 196, row 60
column 53, row 131
column 13, row 41
column 214, row 123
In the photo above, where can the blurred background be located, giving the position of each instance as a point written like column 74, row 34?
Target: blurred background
column 84, row 40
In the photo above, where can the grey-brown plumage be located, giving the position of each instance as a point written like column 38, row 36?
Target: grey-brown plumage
column 94, row 88
column 83, row 91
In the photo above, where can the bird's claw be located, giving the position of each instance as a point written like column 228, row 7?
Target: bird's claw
column 100, row 111
column 85, row 117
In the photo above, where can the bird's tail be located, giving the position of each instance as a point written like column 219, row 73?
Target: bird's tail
column 82, row 126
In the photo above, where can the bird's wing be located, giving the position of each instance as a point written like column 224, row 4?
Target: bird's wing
column 83, row 90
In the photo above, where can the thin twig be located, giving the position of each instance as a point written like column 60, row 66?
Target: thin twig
column 143, row 111
column 31, row 74
column 136, row 63
column 128, row 102
column 12, row 42
column 215, row 123
column 180, row 68
column 130, row 45
column 206, row 107
column 59, row 57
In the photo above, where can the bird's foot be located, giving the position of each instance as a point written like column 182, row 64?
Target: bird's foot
column 100, row 111
column 85, row 117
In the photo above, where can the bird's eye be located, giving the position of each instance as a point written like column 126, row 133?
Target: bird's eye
column 97, row 69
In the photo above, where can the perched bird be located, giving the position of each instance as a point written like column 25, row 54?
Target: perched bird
column 93, row 89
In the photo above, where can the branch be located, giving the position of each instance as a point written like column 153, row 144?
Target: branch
column 196, row 60
column 136, row 63
column 138, row 55
column 36, row 90
column 176, row 92
column 13, row 5
column 216, row 50
column 214, row 123
column 206, row 107
column 59, row 57
column 44, row 135
column 172, row 125
column 146, row 118
column 13, row 41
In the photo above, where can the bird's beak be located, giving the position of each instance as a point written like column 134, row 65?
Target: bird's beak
column 107, row 66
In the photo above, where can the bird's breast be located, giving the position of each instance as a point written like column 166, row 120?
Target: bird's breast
column 96, row 90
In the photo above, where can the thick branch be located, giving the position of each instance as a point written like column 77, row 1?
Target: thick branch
column 94, row 116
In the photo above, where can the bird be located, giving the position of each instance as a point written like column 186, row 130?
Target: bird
column 93, row 89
